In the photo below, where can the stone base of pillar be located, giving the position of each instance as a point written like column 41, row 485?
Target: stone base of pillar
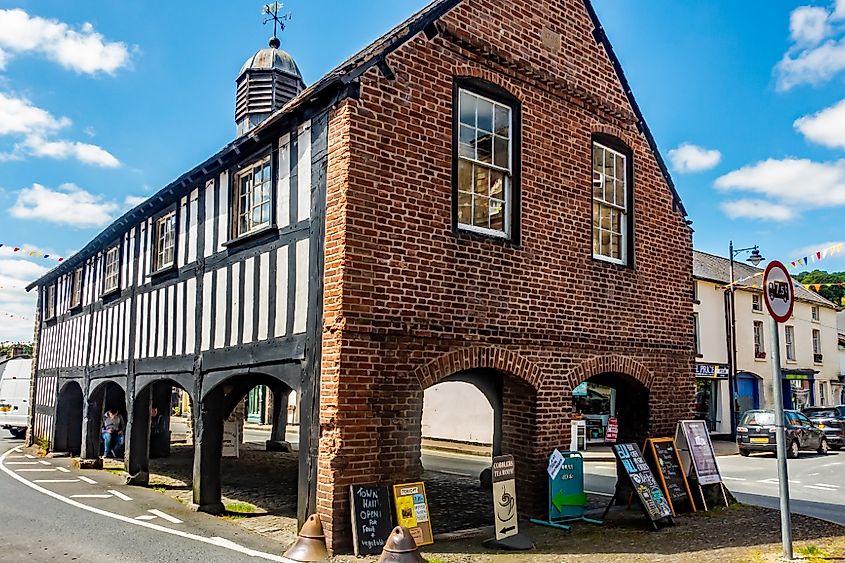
column 278, row 446
column 81, row 463
column 142, row 479
column 215, row 509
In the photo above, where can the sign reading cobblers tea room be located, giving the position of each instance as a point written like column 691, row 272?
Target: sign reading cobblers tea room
column 412, row 511
column 504, row 497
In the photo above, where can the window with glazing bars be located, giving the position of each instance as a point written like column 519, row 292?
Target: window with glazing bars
column 76, row 288
column 485, row 165
column 253, row 198
column 112, row 269
column 610, row 204
column 165, row 241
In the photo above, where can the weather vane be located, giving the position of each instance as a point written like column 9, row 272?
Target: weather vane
column 271, row 12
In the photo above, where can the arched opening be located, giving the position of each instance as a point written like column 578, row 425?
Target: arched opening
column 246, row 460
column 467, row 418
column 609, row 400
column 106, row 397
column 69, row 413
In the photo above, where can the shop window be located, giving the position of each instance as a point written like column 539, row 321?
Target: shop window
column 759, row 341
column 487, row 129
column 597, row 404
column 789, row 332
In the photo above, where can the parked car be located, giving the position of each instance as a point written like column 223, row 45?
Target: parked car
column 832, row 421
column 757, row 433
column 15, row 374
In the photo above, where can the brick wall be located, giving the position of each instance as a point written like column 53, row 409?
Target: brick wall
column 408, row 301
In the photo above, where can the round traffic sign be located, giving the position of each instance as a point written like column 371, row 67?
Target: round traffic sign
column 778, row 291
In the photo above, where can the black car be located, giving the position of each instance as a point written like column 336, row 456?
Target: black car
column 757, row 433
column 832, row 421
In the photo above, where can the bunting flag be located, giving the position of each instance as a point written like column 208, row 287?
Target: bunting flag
column 31, row 253
column 818, row 286
column 817, row 256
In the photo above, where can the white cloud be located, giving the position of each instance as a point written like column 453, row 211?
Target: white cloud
column 15, row 275
column 757, row 209
column 19, row 117
column 813, row 248
column 826, row 127
column 808, row 25
column 83, row 152
column 692, row 158
column 818, row 50
column 67, row 205
column 84, row 50
column 134, row 200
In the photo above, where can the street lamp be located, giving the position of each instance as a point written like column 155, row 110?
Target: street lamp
column 755, row 258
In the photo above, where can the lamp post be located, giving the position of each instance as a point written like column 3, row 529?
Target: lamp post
column 755, row 258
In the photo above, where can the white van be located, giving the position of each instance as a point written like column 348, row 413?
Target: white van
column 15, row 374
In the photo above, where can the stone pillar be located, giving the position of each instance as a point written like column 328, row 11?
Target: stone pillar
column 160, row 431
column 278, row 441
column 137, row 457
column 91, row 423
column 208, row 450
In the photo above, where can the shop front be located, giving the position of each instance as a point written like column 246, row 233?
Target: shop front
column 712, row 396
column 597, row 406
column 798, row 388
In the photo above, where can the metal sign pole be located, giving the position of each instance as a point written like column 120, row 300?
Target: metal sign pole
column 783, row 475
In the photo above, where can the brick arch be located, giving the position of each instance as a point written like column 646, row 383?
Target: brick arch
column 469, row 71
column 623, row 135
column 611, row 364
column 489, row 357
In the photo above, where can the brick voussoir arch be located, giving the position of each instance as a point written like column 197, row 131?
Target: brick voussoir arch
column 611, row 364
column 464, row 359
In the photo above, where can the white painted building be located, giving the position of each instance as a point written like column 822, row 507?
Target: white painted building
column 809, row 349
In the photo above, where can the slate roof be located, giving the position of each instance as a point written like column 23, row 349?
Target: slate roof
column 718, row 269
column 338, row 78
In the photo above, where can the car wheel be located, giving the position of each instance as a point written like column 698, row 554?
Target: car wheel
column 793, row 450
column 823, row 447
column 744, row 452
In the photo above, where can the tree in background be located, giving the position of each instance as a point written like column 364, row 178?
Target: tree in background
column 834, row 293
column 5, row 347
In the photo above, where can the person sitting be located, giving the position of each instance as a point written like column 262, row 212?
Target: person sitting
column 113, row 428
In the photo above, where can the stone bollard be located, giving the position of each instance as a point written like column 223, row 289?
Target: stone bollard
column 311, row 544
column 400, row 547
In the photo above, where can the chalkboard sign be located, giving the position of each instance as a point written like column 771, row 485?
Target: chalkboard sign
column 648, row 492
column 696, row 437
column 371, row 518
column 663, row 458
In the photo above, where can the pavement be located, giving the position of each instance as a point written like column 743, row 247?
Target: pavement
column 51, row 512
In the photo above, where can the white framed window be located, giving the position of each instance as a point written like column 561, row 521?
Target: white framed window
column 50, row 302
column 696, row 334
column 610, row 204
column 253, row 198
column 76, row 288
column 111, row 280
column 759, row 341
column 165, row 241
column 789, row 332
column 815, row 313
column 485, row 165
column 757, row 302
column 822, row 401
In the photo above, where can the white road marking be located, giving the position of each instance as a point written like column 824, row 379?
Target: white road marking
column 33, row 470
column 119, row 495
column 210, row 541
column 598, row 493
column 87, row 480
column 55, row 481
column 90, row 496
column 828, row 489
column 832, row 464
column 29, row 456
column 63, row 470
column 18, row 449
column 146, row 517
column 826, row 485
column 42, row 462
column 775, row 481
column 458, row 473
column 164, row 515
column 733, row 478
column 22, row 463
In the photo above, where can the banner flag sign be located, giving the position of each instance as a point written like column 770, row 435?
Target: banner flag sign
column 504, row 497
column 412, row 511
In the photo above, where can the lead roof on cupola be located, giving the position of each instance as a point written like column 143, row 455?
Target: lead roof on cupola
column 272, row 58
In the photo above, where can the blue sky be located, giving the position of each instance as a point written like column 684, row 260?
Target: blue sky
column 104, row 103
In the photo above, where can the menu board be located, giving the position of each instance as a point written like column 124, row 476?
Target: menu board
column 371, row 518
column 666, row 463
column 696, row 437
column 412, row 511
column 648, row 492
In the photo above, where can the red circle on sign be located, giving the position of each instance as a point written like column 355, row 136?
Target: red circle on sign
column 778, row 291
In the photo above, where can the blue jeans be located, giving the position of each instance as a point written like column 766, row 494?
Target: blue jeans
column 110, row 440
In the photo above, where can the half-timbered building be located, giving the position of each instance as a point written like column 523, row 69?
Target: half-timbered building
column 474, row 197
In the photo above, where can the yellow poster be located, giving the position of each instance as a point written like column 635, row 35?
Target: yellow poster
column 412, row 511
column 405, row 511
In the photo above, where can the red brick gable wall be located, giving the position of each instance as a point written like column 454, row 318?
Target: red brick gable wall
column 409, row 302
